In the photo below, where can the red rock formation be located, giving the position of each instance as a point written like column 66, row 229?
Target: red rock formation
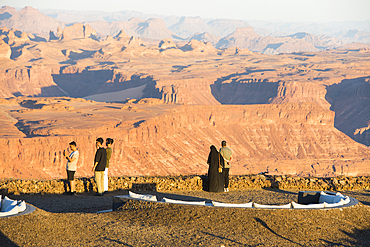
column 35, row 81
column 78, row 31
column 285, row 139
column 294, row 138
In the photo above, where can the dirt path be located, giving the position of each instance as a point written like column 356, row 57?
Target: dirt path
column 62, row 220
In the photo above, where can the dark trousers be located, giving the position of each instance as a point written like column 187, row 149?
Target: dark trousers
column 225, row 173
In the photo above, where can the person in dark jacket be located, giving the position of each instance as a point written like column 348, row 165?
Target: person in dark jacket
column 215, row 178
column 100, row 163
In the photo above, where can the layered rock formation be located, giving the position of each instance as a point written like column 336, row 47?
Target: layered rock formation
column 77, row 31
column 283, row 124
column 34, row 81
column 295, row 139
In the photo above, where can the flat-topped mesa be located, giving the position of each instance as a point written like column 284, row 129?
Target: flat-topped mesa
column 78, row 31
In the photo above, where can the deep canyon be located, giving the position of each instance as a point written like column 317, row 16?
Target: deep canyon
column 302, row 113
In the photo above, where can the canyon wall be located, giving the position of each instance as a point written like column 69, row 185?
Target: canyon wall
column 34, row 81
column 349, row 98
column 292, row 138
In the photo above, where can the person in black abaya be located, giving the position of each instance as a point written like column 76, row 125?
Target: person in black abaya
column 215, row 178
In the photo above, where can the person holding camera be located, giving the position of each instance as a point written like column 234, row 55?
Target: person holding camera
column 71, row 167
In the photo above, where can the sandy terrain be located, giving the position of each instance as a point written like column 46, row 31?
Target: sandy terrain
column 70, row 221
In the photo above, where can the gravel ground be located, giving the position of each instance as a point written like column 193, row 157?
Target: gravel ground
column 62, row 220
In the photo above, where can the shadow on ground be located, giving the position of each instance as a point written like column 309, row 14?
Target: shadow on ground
column 359, row 237
column 361, row 196
column 87, row 202
column 5, row 241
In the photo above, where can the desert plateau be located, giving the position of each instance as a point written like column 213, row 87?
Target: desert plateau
column 166, row 89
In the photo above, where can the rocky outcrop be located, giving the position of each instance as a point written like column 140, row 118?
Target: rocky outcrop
column 350, row 99
column 290, row 91
column 238, row 38
column 35, row 81
column 186, row 183
column 78, row 31
column 167, row 44
column 5, row 50
column 199, row 46
column 206, row 37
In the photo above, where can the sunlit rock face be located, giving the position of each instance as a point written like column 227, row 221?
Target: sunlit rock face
column 303, row 113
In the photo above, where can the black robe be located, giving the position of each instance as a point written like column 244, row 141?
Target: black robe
column 215, row 179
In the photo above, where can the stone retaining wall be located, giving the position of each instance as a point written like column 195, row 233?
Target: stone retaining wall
column 181, row 183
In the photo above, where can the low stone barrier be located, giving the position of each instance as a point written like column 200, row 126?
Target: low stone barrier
column 182, row 183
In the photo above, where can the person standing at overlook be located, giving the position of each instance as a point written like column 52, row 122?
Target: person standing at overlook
column 215, row 179
column 71, row 167
column 227, row 156
column 100, row 162
column 108, row 143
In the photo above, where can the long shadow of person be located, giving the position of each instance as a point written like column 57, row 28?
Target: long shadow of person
column 5, row 241
column 268, row 228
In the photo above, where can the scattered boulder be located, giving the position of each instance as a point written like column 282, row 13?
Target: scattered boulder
column 180, row 183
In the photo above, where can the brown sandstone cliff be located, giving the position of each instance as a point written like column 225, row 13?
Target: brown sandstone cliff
column 35, row 81
column 297, row 139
